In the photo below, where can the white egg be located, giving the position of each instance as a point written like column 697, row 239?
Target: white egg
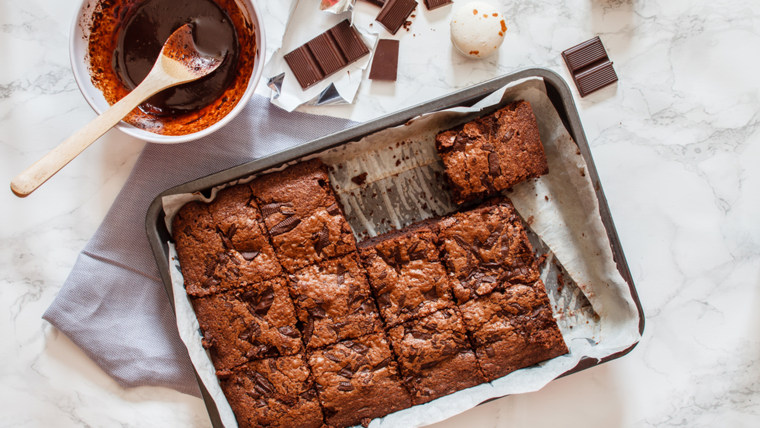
column 477, row 29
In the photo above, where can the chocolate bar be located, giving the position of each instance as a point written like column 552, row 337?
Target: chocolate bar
column 590, row 66
column 435, row 4
column 393, row 15
column 325, row 54
column 385, row 61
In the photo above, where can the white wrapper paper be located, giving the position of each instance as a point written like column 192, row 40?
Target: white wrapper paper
column 591, row 301
column 336, row 6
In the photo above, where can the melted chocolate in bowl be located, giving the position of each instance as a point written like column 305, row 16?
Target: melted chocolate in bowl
column 126, row 37
column 142, row 37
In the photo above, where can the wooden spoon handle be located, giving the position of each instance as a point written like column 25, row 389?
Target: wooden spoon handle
column 33, row 177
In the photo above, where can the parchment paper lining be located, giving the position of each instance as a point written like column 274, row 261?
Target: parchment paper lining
column 403, row 184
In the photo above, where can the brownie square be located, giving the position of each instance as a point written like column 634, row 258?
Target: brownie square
column 405, row 273
column 358, row 380
column 333, row 302
column 222, row 245
column 302, row 216
column 512, row 329
column 255, row 322
column 198, row 245
column 276, row 392
column 435, row 356
column 487, row 248
column 492, row 153
column 297, row 189
column 238, row 220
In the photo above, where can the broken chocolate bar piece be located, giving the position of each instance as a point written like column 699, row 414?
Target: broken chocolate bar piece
column 435, row 4
column 385, row 61
column 587, row 53
column 590, row 66
column 393, row 15
column 595, row 78
column 326, row 54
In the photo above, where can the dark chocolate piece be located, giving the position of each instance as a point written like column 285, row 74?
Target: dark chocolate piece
column 385, row 61
column 435, row 4
column 393, row 15
column 326, row 54
column 590, row 66
column 595, row 78
column 581, row 56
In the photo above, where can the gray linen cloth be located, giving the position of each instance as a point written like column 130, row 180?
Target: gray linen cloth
column 113, row 304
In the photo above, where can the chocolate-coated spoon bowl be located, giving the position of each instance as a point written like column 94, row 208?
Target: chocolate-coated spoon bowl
column 97, row 27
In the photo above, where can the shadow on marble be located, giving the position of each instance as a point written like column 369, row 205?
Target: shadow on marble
column 591, row 99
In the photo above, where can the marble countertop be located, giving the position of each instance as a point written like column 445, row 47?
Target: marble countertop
column 674, row 141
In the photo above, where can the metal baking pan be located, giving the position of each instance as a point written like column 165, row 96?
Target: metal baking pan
column 560, row 96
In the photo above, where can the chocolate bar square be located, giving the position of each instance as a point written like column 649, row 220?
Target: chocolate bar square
column 325, row 54
column 590, row 66
column 394, row 14
column 385, row 61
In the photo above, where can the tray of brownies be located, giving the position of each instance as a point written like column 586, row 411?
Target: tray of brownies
column 402, row 271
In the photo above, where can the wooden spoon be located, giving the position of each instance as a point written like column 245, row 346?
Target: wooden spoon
column 179, row 62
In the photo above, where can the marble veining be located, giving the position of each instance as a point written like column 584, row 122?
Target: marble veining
column 676, row 143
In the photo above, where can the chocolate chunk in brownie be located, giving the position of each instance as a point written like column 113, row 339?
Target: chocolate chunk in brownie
column 406, row 274
column 276, row 392
column 222, row 245
column 512, row 329
column 493, row 153
column 333, row 302
column 486, row 249
column 435, row 355
column 254, row 322
column 302, row 216
column 358, row 379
